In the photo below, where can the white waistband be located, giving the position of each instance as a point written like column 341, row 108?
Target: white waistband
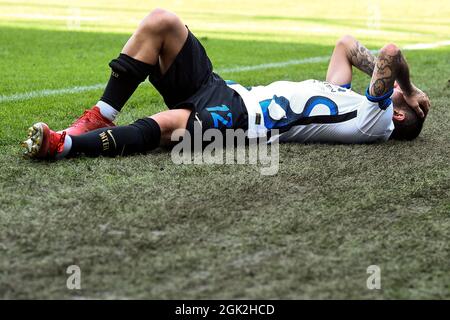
column 256, row 126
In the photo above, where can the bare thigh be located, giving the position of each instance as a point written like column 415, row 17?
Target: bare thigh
column 169, row 121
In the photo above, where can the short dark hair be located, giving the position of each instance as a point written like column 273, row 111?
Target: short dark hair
column 410, row 128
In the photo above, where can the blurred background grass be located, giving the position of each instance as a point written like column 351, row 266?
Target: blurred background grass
column 403, row 20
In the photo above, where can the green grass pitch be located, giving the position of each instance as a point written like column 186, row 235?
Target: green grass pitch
column 142, row 227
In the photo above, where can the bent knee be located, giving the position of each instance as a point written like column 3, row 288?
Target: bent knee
column 160, row 21
column 346, row 41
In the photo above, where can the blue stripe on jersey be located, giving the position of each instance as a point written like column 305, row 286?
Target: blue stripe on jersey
column 316, row 100
column 305, row 117
column 385, row 104
column 230, row 82
column 347, row 86
column 383, row 101
column 270, row 123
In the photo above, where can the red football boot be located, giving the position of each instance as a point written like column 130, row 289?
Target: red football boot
column 90, row 120
column 43, row 143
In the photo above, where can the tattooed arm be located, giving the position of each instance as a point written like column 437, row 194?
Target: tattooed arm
column 347, row 53
column 360, row 57
column 391, row 66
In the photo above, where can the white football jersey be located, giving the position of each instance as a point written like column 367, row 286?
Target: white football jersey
column 316, row 111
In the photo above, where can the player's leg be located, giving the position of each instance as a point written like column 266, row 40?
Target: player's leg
column 158, row 39
column 169, row 121
column 340, row 68
column 151, row 49
column 139, row 137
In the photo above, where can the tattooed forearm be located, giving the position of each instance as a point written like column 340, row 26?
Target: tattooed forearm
column 390, row 66
column 403, row 75
column 384, row 76
column 361, row 58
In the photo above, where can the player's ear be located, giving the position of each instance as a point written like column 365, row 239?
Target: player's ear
column 399, row 115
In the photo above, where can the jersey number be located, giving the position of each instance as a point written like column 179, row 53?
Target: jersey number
column 227, row 121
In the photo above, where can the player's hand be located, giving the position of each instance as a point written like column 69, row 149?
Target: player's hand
column 418, row 101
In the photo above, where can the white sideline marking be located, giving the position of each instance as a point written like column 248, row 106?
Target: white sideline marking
column 49, row 92
column 423, row 46
column 274, row 65
column 54, row 92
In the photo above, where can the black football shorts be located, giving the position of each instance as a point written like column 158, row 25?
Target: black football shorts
column 190, row 83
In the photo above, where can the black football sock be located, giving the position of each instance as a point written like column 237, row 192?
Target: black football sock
column 126, row 75
column 141, row 136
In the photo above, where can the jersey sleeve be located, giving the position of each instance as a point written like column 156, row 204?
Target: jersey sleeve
column 383, row 101
column 375, row 116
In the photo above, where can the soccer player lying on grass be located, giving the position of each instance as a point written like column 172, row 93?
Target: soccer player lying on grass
column 165, row 51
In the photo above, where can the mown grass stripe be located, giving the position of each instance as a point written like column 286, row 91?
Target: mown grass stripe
column 78, row 89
